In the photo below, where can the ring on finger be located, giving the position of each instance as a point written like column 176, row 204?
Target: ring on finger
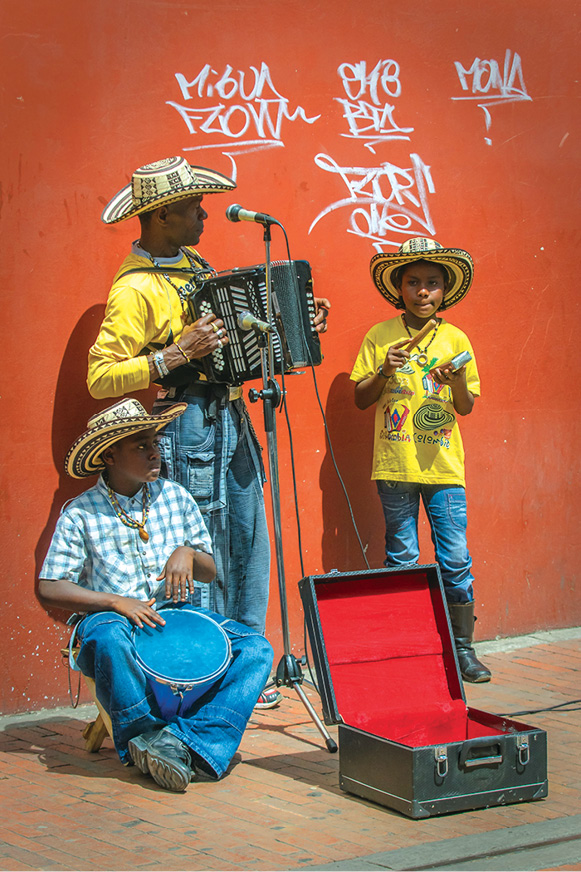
column 219, row 343
column 215, row 327
column 219, row 333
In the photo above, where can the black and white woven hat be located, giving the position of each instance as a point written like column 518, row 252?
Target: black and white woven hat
column 161, row 182
column 457, row 263
column 109, row 426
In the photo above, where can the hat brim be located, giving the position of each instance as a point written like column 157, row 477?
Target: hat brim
column 457, row 261
column 84, row 456
column 208, row 181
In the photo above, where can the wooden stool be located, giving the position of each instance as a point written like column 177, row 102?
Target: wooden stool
column 98, row 730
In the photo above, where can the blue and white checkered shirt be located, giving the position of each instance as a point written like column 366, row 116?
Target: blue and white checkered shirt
column 94, row 549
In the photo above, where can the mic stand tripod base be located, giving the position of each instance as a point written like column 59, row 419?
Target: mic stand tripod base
column 289, row 674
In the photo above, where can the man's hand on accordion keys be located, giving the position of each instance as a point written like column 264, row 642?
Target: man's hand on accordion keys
column 202, row 337
column 322, row 306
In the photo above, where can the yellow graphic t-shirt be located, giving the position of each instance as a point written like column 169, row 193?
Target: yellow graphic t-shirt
column 417, row 438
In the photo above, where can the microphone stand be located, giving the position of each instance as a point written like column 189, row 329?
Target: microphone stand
column 289, row 672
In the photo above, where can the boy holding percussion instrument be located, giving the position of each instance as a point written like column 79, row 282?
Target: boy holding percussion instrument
column 420, row 372
column 130, row 543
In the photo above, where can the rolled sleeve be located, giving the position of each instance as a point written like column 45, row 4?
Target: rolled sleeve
column 66, row 558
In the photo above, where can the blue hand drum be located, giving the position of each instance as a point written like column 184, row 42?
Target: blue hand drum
column 183, row 659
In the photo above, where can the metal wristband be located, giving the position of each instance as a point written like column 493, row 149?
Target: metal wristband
column 160, row 364
column 155, row 364
column 381, row 372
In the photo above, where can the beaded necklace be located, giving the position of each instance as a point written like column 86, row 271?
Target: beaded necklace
column 127, row 519
column 422, row 357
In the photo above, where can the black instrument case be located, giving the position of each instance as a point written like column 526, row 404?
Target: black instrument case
column 388, row 676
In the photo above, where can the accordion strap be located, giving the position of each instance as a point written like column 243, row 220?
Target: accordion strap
column 174, row 270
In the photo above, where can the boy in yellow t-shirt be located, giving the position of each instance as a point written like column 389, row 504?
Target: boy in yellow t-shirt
column 419, row 392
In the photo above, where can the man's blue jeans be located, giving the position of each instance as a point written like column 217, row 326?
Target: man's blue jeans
column 446, row 510
column 212, row 451
column 212, row 728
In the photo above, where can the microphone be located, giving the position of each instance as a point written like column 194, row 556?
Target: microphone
column 237, row 213
column 247, row 321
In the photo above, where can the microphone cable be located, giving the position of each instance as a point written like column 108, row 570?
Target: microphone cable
column 327, row 435
column 293, row 467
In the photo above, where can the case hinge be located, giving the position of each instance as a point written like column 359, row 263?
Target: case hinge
column 441, row 757
column 523, row 750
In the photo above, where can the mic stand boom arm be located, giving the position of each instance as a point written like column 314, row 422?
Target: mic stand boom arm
column 289, row 672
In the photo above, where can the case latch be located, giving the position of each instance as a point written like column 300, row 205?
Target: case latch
column 523, row 750
column 441, row 756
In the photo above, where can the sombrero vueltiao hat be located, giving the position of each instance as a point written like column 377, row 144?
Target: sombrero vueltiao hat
column 162, row 182
column 457, row 263
column 109, row 426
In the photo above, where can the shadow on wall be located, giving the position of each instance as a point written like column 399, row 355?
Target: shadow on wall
column 351, row 434
column 73, row 406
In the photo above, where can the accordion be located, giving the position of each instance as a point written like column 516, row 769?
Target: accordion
column 236, row 292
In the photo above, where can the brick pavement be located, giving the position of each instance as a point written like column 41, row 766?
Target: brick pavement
column 280, row 808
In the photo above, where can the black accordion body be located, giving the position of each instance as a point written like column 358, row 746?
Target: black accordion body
column 231, row 294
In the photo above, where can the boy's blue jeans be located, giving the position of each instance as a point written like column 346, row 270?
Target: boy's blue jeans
column 446, row 510
column 212, row 728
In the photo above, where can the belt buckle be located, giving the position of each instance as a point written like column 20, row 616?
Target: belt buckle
column 234, row 393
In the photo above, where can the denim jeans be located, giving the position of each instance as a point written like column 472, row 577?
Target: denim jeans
column 212, row 728
column 446, row 510
column 212, row 451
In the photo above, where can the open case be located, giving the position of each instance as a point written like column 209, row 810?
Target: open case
column 388, row 676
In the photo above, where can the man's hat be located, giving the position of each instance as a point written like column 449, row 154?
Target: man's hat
column 457, row 263
column 109, row 426
column 162, row 182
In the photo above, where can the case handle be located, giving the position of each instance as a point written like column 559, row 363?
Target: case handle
column 483, row 742
column 523, row 750
column 441, row 760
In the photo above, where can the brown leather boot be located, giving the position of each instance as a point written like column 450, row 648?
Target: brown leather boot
column 462, row 619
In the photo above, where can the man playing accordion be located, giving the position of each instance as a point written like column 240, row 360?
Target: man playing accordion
column 147, row 338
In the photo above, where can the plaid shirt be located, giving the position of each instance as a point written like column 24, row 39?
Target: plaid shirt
column 93, row 548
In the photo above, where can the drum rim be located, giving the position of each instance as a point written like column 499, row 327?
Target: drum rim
column 190, row 683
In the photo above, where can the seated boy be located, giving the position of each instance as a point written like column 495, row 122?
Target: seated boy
column 128, row 543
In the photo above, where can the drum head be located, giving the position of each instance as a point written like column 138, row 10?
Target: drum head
column 191, row 649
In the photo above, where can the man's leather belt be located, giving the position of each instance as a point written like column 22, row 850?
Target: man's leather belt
column 202, row 389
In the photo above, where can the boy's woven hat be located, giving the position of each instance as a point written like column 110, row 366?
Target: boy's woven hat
column 109, row 426
column 162, row 182
column 457, row 263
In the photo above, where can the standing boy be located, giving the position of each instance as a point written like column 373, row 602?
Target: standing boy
column 127, row 543
column 418, row 448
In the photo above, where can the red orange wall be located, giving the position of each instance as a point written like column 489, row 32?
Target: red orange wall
column 356, row 125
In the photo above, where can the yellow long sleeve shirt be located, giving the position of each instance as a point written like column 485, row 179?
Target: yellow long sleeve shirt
column 142, row 309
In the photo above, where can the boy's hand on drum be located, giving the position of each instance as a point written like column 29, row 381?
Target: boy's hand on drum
column 179, row 574
column 137, row 611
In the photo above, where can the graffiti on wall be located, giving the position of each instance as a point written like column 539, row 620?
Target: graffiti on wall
column 243, row 108
column 488, row 87
column 384, row 201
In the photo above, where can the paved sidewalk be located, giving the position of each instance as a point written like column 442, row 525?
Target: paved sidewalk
column 280, row 808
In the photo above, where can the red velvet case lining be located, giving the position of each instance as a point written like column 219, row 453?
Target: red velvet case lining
column 391, row 660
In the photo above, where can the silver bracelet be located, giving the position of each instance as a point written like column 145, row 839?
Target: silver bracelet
column 160, row 364
column 156, row 367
